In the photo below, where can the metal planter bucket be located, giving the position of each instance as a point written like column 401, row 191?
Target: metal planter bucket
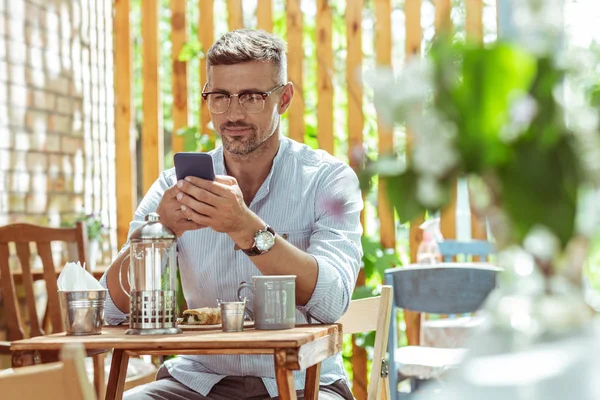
column 83, row 311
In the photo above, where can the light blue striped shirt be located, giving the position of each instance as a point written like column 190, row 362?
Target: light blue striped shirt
column 313, row 199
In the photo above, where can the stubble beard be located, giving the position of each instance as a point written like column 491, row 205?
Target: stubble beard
column 243, row 145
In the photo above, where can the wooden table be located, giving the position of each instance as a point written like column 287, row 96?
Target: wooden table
column 38, row 274
column 303, row 347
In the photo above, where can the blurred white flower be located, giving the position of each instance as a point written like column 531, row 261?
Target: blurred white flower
column 541, row 243
column 522, row 111
column 434, row 151
column 395, row 97
column 538, row 25
column 429, row 191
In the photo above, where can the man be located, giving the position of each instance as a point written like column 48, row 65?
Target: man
column 265, row 183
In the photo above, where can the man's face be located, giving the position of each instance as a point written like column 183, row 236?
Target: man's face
column 242, row 132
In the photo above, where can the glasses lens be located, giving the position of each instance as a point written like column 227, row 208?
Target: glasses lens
column 218, row 103
column 252, row 102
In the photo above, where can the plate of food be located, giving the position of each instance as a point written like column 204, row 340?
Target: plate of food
column 204, row 318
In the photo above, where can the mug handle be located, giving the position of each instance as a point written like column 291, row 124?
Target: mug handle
column 121, row 277
column 241, row 287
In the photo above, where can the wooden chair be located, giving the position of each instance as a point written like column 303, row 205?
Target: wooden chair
column 478, row 250
column 64, row 380
column 373, row 314
column 436, row 289
column 22, row 235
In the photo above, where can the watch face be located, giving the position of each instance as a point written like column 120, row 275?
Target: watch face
column 264, row 241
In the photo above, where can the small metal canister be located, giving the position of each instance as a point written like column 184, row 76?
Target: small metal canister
column 153, row 279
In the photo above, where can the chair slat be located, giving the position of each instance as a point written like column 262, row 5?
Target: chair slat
column 50, row 276
column 24, row 255
column 15, row 331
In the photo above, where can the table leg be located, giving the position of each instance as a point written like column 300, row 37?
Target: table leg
column 311, row 387
column 118, row 373
column 285, row 378
column 99, row 378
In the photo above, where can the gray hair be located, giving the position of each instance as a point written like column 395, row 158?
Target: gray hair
column 246, row 45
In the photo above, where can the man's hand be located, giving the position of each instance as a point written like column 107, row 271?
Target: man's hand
column 219, row 205
column 171, row 214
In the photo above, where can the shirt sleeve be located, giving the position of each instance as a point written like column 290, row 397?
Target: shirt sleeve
column 112, row 315
column 335, row 244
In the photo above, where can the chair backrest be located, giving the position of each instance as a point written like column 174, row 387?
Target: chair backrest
column 22, row 235
column 366, row 315
column 479, row 250
column 457, row 288
column 65, row 379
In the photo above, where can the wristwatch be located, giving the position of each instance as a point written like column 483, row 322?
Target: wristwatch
column 264, row 240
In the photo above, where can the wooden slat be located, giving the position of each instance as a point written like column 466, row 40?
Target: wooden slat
column 355, row 143
column 152, row 132
column 206, row 36
column 324, row 77
column 295, row 58
column 475, row 32
column 383, row 56
column 235, row 14
column 443, row 23
column 9, row 294
column 264, row 15
column 53, row 306
column 125, row 161
column 474, row 20
column 448, row 217
column 179, row 76
column 414, row 34
column 24, row 258
column 354, row 61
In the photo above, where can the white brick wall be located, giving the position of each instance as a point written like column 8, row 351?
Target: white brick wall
column 52, row 91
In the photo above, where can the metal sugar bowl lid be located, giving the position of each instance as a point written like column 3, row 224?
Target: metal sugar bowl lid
column 152, row 230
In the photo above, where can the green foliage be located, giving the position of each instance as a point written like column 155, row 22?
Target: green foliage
column 191, row 50
column 93, row 223
column 494, row 108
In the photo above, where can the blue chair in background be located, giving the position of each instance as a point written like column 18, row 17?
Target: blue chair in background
column 451, row 249
column 436, row 289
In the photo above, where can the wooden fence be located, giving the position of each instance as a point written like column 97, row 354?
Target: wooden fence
column 152, row 138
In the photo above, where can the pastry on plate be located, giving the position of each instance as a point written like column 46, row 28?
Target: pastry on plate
column 202, row 316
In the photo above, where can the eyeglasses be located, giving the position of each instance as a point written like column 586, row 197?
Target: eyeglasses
column 252, row 102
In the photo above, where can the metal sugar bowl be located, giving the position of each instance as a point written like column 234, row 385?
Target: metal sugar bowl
column 153, row 279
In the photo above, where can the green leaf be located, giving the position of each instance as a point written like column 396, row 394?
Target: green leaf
column 362, row 292
column 191, row 50
column 402, row 191
column 189, row 134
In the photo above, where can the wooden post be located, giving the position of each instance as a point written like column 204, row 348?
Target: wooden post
column 354, row 59
column 264, row 15
column 325, row 134
column 235, row 14
column 179, row 76
column 125, row 162
column 412, row 11
column 383, row 56
column 443, row 23
column 295, row 59
column 475, row 33
column 206, row 36
column 152, row 131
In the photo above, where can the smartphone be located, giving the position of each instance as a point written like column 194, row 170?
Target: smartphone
column 194, row 164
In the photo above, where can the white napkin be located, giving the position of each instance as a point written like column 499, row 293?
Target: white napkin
column 74, row 277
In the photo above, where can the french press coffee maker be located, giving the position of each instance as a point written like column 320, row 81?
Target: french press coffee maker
column 152, row 279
